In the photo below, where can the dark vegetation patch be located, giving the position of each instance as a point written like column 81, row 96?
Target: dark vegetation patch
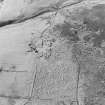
column 96, row 39
column 1, row 0
column 95, row 22
column 91, row 25
column 67, row 31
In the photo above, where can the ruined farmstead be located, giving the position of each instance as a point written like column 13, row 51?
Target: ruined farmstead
column 52, row 52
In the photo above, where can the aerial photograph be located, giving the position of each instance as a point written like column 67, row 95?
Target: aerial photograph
column 52, row 52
